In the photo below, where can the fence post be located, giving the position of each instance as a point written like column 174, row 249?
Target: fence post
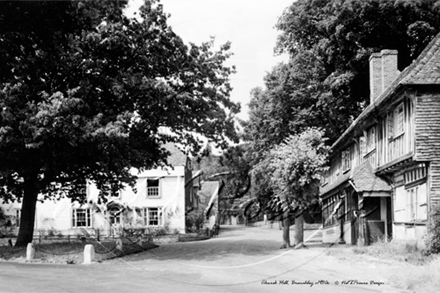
column 119, row 244
column 89, row 254
column 30, row 251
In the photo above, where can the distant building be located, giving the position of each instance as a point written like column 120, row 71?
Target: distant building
column 384, row 172
column 163, row 195
column 208, row 196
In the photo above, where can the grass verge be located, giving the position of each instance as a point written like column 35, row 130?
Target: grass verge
column 417, row 271
column 73, row 252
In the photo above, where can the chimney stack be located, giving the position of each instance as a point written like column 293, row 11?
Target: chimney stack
column 383, row 71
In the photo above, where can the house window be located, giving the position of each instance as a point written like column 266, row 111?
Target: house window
column 115, row 216
column 17, row 217
column 153, row 216
column 399, row 120
column 153, row 188
column 371, row 139
column 346, row 162
column 81, row 218
column 396, row 122
column 416, row 174
column 362, row 146
column 324, row 178
column 328, row 209
column 416, row 204
column 410, row 204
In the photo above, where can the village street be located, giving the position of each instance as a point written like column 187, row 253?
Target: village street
column 240, row 259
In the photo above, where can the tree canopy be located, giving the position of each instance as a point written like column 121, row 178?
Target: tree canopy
column 293, row 170
column 326, row 83
column 85, row 92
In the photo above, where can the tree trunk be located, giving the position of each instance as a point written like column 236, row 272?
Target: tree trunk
column 286, row 230
column 299, row 230
column 27, row 221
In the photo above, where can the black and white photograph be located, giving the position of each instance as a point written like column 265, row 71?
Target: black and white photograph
column 220, row 146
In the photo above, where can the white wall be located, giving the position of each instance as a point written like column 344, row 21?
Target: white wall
column 57, row 215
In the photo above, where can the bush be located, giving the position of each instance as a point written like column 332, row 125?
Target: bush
column 194, row 221
column 432, row 239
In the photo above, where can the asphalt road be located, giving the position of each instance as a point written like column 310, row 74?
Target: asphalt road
column 240, row 259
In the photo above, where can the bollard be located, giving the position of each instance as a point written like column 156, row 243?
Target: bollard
column 30, row 251
column 89, row 254
column 119, row 244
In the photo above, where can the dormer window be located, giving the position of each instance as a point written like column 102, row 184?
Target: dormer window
column 153, row 188
column 399, row 120
column 371, row 139
column 396, row 125
column 346, row 160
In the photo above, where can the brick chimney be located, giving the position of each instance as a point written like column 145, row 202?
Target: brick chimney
column 383, row 71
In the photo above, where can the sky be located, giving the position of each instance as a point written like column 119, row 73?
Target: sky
column 248, row 24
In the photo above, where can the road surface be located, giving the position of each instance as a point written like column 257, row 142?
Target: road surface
column 240, row 259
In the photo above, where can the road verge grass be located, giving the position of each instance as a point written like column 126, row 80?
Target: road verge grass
column 72, row 252
column 418, row 271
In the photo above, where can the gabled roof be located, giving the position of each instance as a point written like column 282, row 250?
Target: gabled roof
column 330, row 186
column 425, row 70
column 364, row 179
column 208, row 190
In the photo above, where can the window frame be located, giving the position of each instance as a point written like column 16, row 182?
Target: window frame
column 146, row 215
column 88, row 218
column 370, row 144
column 346, row 160
column 155, row 190
column 399, row 121
column 114, row 216
column 17, row 217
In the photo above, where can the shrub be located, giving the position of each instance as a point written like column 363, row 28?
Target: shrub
column 194, row 221
column 432, row 239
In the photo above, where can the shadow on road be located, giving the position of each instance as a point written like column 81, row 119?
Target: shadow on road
column 233, row 242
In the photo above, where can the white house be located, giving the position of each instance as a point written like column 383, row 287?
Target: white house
column 162, row 196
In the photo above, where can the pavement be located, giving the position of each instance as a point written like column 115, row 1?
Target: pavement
column 240, row 259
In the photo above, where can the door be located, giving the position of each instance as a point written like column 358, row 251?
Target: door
column 355, row 219
column 389, row 220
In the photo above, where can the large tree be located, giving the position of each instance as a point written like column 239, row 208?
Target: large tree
column 341, row 35
column 325, row 83
column 85, row 92
column 295, row 168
